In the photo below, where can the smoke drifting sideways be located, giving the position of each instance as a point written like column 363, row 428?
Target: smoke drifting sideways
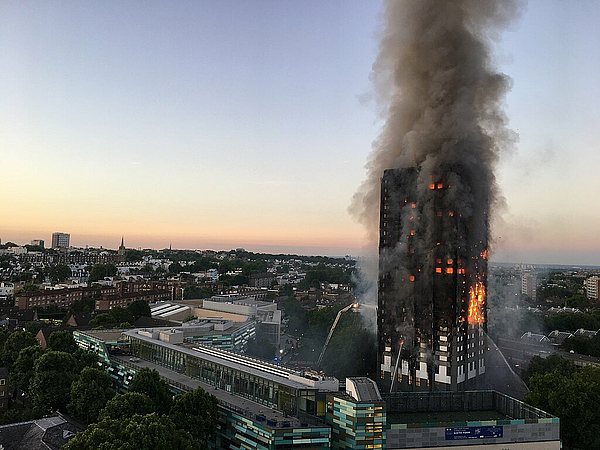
column 441, row 99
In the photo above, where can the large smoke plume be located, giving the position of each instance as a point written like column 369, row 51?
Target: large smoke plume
column 441, row 97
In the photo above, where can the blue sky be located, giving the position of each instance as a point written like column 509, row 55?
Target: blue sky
column 219, row 124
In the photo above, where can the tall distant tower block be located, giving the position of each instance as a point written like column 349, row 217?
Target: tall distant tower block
column 431, row 316
column 61, row 240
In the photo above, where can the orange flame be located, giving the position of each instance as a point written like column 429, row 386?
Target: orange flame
column 476, row 303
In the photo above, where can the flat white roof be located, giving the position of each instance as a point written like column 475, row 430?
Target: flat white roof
column 164, row 310
column 174, row 311
column 255, row 367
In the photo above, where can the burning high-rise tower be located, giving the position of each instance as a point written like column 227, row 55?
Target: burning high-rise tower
column 431, row 316
column 430, row 180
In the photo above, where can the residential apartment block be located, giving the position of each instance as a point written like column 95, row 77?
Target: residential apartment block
column 592, row 288
column 61, row 240
column 529, row 285
column 124, row 300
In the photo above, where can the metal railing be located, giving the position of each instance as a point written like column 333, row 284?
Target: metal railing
column 432, row 402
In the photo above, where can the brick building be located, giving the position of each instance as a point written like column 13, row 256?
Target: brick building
column 112, row 301
column 261, row 280
column 62, row 298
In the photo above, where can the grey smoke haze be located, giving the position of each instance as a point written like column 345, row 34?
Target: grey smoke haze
column 441, row 97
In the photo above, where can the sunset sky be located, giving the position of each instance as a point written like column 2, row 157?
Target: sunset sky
column 223, row 124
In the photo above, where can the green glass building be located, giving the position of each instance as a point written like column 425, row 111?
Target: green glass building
column 358, row 416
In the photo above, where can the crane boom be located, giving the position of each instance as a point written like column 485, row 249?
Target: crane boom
column 335, row 322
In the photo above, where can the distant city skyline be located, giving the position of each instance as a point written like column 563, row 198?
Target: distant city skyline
column 232, row 124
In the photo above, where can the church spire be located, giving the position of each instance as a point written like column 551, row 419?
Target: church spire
column 121, row 251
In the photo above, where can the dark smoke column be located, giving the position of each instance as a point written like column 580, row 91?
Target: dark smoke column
column 430, row 182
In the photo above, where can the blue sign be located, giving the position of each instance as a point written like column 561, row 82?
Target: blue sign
column 458, row 433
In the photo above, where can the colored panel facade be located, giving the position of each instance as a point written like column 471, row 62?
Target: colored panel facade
column 356, row 425
column 112, row 343
column 236, row 341
column 237, row 431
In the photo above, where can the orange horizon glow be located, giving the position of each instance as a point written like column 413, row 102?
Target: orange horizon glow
column 293, row 241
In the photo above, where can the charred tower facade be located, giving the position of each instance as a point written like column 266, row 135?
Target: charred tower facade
column 431, row 317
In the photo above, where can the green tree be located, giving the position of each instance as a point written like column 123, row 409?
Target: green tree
column 50, row 386
column 133, row 255
column 239, row 280
column 553, row 363
column 20, row 413
column 86, row 305
column 196, row 412
column 139, row 308
column 34, row 248
column 284, row 268
column 16, row 342
column 26, row 288
column 23, row 369
column 261, row 348
column 86, row 359
column 125, row 406
column 322, row 273
column 254, row 267
column 320, row 321
column 195, row 292
column 62, row 341
column 99, row 271
column 148, row 382
column 35, row 326
column 297, row 314
column 89, row 394
column 351, row 352
column 102, row 319
column 175, row 268
column 229, row 265
column 583, row 345
column 4, row 334
column 148, row 268
column 575, row 400
column 572, row 322
column 59, row 273
column 121, row 315
column 202, row 264
column 150, row 432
